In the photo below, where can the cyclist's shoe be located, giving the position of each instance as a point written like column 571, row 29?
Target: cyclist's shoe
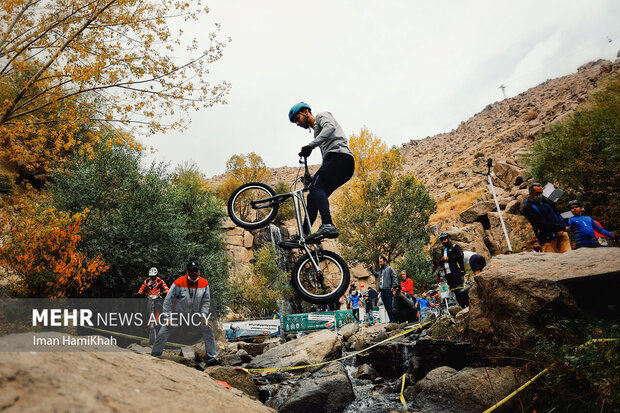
column 290, row 244
column 212, row 361
column 325, row 231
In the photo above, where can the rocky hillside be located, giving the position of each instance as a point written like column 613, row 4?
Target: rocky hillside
column 503, row 131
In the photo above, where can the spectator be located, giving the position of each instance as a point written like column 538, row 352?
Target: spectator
column 352, row 287
column 454, row 268
column 406, row 284
column 524, row 248
column 355, row 305
column 476, row 261
column 276, row 315
column 403, row 309
column 369, row 305
column 508, row 252
column 547, row 223
column 313, row 308
column 536, row 246
column 372, row 294
column 584, row 228
column 386, row 280
column 423, row 305
column 189, row 294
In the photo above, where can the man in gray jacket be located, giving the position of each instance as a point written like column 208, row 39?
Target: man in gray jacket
column 187, row 304
column 386, row 279
column 337, row 167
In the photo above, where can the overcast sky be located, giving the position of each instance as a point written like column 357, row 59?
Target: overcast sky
column 405, row 69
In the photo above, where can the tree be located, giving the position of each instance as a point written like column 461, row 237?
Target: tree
column 256, row 293
column 379, row 213
column 583, row 154
column 72, row 66
column 241, row 169
column 142, row 217
column 42, row 250
column 417, row 262
column 286, row 209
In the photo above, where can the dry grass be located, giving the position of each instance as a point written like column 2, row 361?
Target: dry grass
column 453, row 204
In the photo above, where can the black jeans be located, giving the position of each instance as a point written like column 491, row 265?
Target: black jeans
column 386, row 297
column 336, row 170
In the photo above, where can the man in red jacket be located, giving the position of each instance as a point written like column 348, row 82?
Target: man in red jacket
column 406, row 284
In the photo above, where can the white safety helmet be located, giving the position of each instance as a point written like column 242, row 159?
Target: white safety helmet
column 152, row 272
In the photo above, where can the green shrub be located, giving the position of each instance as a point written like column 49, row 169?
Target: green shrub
column 583, row 154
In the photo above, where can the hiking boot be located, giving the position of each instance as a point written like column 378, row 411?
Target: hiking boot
column 325, row 231
column 212, row 361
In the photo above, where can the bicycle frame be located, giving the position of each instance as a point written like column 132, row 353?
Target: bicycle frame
column 300, row 205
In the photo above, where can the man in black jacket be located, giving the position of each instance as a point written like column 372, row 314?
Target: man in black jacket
column 548, row 225
column 455, row 268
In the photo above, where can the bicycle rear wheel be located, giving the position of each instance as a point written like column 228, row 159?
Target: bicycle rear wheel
column 324, row 287
column 244, row 214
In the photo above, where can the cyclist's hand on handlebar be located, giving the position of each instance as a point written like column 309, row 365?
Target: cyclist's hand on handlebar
column 306, row 151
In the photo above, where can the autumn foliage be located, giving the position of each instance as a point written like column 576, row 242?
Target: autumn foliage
column 71, row 69
column 241, row 169
column 41, row 248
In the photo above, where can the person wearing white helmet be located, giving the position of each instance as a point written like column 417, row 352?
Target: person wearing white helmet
column 337, row 167
column 153, row 285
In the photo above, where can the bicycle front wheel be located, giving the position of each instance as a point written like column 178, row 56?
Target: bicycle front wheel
column 324, row 286
column 246, row 215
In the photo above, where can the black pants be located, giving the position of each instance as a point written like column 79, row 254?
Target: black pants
column 455, row 282
column 386, row 297
column 337, row 169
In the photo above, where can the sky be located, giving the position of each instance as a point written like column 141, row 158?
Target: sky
column 405, row 69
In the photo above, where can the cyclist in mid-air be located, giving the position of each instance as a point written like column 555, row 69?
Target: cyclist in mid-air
column 337, row 167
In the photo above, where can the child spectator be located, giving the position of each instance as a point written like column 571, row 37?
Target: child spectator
column 584, row 228
column 355, row 305
column 423, row 305
column 369, row 304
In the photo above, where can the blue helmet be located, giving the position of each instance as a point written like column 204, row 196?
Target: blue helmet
column 295, row 110
column 444, row 235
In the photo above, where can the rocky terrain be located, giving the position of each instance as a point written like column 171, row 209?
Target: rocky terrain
column 445, row 163
column 445, row 364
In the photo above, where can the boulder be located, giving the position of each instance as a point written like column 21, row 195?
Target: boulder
column 528, row 283
column 111, row 380
column 348, row 330
column 314, row 348
column 365, row 372
column 328, row 390
column 476, row 211
column 237, row 378
column 445, row 389
column 253, row 349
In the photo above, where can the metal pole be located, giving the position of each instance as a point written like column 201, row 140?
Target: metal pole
column 501, row 219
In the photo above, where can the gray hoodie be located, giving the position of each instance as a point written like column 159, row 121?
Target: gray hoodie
column 329, row 136
column 386, row 278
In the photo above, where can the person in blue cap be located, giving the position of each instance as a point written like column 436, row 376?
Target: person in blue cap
column 337, row 167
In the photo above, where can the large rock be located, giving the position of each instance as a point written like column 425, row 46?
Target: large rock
column 326, row 391
column 348, row 330
column 447, row 390
column 314, row 348
column 518, row 227
column 477, row 211
column 237, row 378
column 123, row 381
column 510, row 175
column 526, row 284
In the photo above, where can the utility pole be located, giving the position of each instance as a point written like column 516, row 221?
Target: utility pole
column 503, row 88
column 499, row 211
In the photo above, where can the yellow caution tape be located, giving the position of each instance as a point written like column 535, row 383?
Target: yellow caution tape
column 514, row 393
column 274, row 369
column 402, row 389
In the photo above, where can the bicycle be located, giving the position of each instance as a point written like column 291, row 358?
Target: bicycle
column 319, row 276
column 154, row 309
